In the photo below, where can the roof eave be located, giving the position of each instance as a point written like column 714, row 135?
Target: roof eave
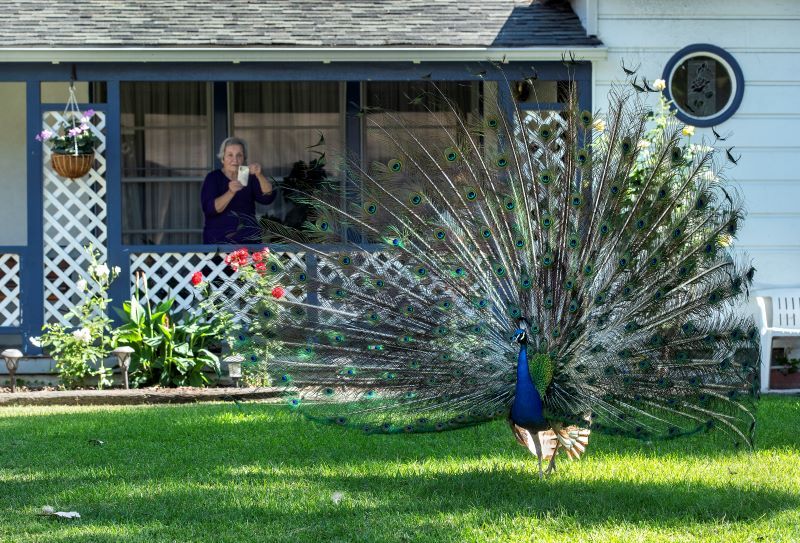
column 297, row 54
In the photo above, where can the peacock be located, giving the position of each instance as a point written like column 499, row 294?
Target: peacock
column 568, row 272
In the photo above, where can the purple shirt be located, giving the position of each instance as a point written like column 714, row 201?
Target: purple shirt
column 237, row 222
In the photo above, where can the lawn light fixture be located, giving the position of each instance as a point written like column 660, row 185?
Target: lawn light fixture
column 12, row 357
column 123, row 354
column 235, row 368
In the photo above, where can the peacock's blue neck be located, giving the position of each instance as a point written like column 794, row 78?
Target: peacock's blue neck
column 526, row 411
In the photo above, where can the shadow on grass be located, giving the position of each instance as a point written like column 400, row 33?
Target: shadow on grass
column 379, row 507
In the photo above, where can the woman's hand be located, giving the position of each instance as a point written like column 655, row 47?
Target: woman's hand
column 234, row 186
column 255, row 169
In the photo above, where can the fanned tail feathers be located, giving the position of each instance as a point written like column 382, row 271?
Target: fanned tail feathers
column 617, row 254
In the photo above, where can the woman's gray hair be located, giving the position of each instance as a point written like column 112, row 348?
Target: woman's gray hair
column 232, row 141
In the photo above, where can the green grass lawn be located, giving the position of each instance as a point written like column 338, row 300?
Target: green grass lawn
column 254, row 472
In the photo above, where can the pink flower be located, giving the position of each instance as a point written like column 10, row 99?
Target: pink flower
column 44, row 135
column 278, row 292
column 89, row 113
column 260, row 266
column 197, row 278
column 74, row 131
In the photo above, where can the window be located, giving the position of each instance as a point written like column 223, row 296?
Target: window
column 168, row 148
column 166, row 153
column 282, row 123
column 417, row 104
column 705, row 83
column 541, row 91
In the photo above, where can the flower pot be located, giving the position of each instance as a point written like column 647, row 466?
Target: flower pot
column 782, row 378
column 72, row 166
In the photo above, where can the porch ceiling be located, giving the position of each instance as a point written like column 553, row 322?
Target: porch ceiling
column 287, row 24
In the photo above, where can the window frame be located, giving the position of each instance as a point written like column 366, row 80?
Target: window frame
column 722, row 57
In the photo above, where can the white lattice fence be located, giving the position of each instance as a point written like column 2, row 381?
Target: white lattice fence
column 74, row 216
column 533, row 120
column 170, row 274
column 9, row 289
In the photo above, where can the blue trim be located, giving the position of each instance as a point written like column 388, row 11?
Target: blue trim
column 119, row 290
column 32, row 261
column 354, row 143
column 59, row 106
column 536, row 106
column 10, row 330
column 161, row 249
column 287, row 71
column 219, row 116
column 698, row 49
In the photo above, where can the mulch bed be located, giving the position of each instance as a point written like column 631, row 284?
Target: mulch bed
column 141, row 396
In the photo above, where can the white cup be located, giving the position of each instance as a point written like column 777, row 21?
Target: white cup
column 244, row 174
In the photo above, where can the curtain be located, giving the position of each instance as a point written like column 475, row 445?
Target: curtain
column 282, row 123
column 166, row 153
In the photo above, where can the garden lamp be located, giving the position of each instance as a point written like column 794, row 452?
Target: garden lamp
column 12, row 357
column 235, row 368
column 123, row 354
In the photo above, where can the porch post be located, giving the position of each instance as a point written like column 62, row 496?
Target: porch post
column 32, row 261
column 120, row 290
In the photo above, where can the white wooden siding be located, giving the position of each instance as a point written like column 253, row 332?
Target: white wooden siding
column 764, row 38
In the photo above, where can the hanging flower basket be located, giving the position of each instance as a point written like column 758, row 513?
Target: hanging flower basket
column 72, row 141
column 72, row 166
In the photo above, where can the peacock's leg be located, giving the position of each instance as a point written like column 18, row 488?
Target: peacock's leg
column 551, row 467
column 538, row 445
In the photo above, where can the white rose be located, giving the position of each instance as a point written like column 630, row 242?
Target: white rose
column 82, row 284
column 643, row 144
column 36, row 341
column 659, row 84
column 117, row 269
column 101, row 271
column 688, row 130
column 599, row 125
column 83, row 335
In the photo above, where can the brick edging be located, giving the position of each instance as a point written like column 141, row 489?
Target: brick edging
column 145, row 396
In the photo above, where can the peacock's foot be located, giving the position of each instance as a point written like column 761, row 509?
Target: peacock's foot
column 551, row 466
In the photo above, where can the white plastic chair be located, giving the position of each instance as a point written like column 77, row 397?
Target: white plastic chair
column 780, row 317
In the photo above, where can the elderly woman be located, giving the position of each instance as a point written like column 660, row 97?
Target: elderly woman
column 230, row 206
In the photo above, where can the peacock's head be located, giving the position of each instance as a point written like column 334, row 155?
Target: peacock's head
column 521, row 333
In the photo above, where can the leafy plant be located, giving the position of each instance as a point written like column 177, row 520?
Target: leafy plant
column 76, row 351
column 169, row 349
column 257, row 268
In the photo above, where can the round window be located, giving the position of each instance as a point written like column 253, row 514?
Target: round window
column 705, row 84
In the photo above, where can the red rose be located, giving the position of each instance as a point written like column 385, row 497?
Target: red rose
column 257, row 257
column 260, row 266
column 278, row 292
column 197, row 278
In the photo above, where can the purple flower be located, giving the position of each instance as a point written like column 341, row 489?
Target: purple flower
column 44, row 135
column 89, row 113
column 74, row 131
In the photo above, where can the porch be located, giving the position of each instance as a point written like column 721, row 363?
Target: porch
column 159, row 128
